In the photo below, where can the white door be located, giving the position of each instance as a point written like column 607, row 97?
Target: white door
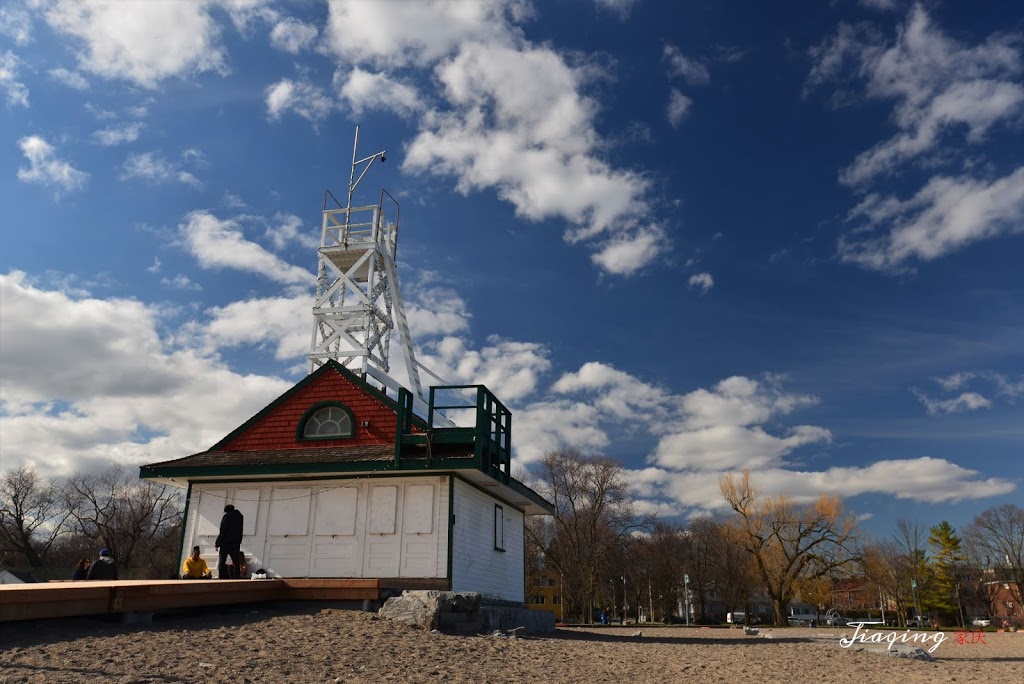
column 419, row 531
column 337, row 537
column 288, row 537
column 383, row 543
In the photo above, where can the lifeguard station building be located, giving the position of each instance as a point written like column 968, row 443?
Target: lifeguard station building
column 351, row 474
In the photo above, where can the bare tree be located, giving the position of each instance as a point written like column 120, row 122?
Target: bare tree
column 32, row 517
column 789, row 542
column 130, row 517
column 890, row 569
column 912, row 540
column 593, row 514
column 998, row 534
column 738, row 578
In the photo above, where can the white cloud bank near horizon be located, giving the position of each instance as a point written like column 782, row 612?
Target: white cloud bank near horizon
column 146, row 396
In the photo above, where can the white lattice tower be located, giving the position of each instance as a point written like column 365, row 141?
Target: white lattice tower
column 358, row 300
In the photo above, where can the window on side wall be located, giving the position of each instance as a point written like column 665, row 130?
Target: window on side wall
column 499, row 528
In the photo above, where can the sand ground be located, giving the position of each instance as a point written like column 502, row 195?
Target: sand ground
column 297, row 643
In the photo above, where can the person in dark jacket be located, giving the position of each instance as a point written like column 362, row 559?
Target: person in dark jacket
column 229, row 543
column 82, row 569
column 103, row 569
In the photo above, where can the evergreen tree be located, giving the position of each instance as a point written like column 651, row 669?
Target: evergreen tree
column 946, row 552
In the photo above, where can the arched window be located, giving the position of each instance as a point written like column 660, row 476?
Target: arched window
column 327, row 421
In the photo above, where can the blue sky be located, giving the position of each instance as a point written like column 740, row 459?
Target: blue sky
column 697, row 239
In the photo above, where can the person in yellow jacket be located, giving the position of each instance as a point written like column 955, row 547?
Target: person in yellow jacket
column 195, row 567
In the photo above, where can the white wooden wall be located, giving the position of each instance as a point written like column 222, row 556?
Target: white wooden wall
column 387, row 527
column 476, row 565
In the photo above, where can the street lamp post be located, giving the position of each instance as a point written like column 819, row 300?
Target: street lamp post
column 686, row 597
column 917, row 607
column 625, row 601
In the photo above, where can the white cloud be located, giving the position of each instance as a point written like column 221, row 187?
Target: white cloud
column 157, row 39
column 284, row 322
column 692, row 71
column 511, row 117
column 615, row 393
column 954, row 381
column 305, row 99
column 1009, row 386
column 544, row 426
column 138, row 399
column 923, row 479
column 939, row 87
column 884, row 5
column 620, row 7
column 116, row 135
column 975, row 105
column 702, row 281
column 520, row 125
column 245, row 13
column 678, row 107
column 155, row 266
column 395, row 33
column 434, row 311
column 967, row 401
column 728, row 447
column 71, row 79
column 292, row 35
column 926, row 479
column 15, row 91
column 220, row 243
column 947, row 97
column 363, row 91
column 16, row 24
column 181, row 282
column 286, row 229
column 45, row 168
column 944, row 216
column 631, row 252
column 508, row 367
column 152, row 167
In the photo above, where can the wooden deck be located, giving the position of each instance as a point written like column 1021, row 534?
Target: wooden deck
column 65, row 599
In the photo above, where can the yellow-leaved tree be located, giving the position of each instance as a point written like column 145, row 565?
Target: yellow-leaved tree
column 790, row 543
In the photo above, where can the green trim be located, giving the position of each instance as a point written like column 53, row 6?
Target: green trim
column 187, row 472
column 331, row 364
column 499, row 514
column 494, row 495
column 368, row 476
column 312, row 410
column 253, row 473
column 451, row 530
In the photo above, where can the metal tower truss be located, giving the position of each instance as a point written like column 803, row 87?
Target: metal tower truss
column 358, row 301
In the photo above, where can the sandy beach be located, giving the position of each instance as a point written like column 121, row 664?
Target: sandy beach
column 308, row 643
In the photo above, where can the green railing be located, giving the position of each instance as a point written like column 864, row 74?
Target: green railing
column 489, row 428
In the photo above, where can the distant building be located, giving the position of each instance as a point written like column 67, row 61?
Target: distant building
column 545, row 593
column 1004, row 599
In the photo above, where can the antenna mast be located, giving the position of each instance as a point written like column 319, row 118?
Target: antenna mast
column 358, row 301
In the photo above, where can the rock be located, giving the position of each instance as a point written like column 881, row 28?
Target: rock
column 911, row 653
column 638, row 633
column 422, row 609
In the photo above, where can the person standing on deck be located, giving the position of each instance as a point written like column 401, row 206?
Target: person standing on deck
column 103, row 569
column 229, row 543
